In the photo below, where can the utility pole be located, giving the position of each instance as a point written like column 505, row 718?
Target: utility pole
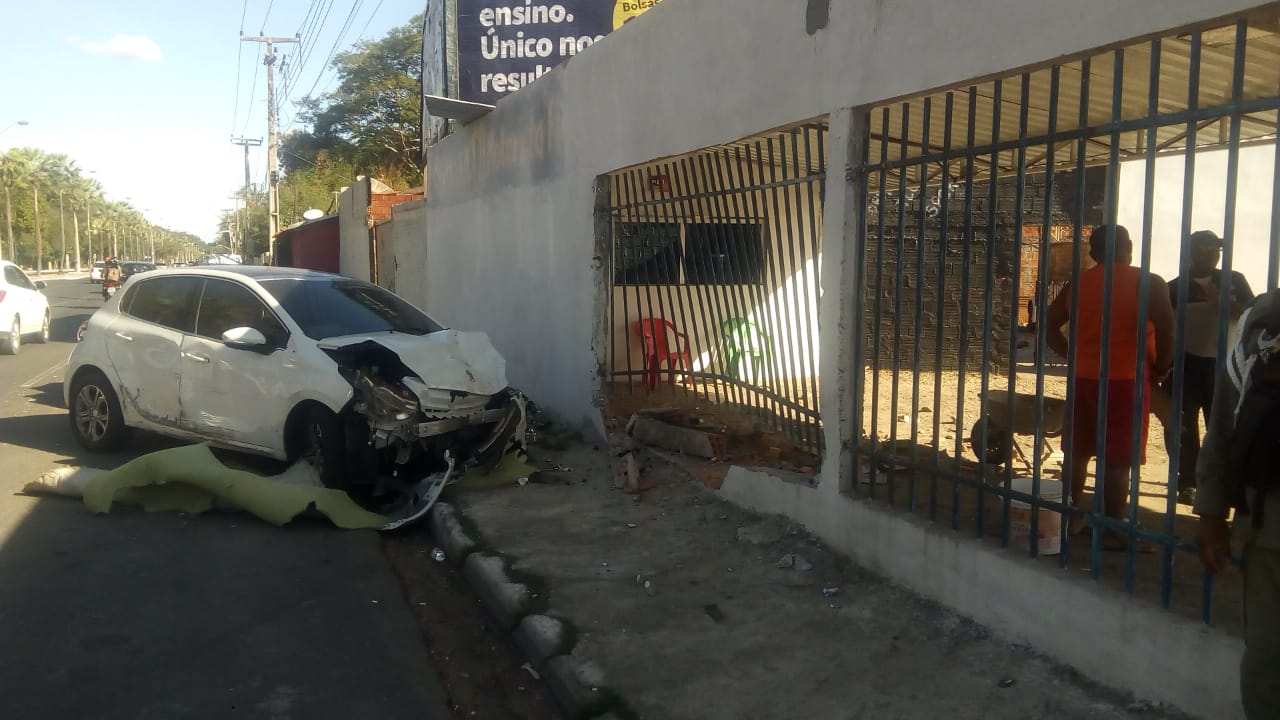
column 246, row 143
column 273, row 161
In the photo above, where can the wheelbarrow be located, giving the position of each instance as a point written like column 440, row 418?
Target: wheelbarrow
column 1000, row 426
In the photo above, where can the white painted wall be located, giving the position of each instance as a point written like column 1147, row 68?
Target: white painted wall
column 1255, row 180
column 353, row 230
column 409, row 251
column 512, row 240
column 511, row 224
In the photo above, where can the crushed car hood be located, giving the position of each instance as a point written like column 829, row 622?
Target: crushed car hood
column 446, row 360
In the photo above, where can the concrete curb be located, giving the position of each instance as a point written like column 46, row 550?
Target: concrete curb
column 541, row 637
column 448, row 533
column 508, row 601
column 576, row 683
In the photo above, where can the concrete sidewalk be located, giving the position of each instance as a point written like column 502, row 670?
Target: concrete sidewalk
column 680, row 605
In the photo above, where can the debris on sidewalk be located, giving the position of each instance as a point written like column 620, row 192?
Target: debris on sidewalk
column 795, row 562
column 667, row 597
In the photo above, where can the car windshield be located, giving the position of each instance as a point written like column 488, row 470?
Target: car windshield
column 336, row 307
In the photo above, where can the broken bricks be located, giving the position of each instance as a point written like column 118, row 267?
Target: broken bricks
column 654, row 432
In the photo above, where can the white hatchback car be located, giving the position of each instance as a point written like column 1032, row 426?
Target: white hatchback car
column 292, row 363
column 24, row 310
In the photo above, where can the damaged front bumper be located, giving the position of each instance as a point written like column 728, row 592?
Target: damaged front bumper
column 418, row 407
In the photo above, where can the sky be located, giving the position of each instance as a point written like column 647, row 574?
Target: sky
column 148, row 94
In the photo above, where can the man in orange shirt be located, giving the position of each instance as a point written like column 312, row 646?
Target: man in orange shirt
column 1123, row 373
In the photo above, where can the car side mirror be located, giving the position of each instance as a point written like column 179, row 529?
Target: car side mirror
column 40, row 284
column 245, row 338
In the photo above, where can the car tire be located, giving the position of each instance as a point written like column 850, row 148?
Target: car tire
column 43, row 336
column 14, row 344
column 319, row 442
column 97, row 419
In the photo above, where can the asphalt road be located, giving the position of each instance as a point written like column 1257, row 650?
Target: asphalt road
column 135, row 616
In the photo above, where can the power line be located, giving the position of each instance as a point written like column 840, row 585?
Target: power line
column 317, row 26
column 235, row 112
column 365, row 29
column 310, row 9
column 252, row 90
column 265, row 17
column 355, row 7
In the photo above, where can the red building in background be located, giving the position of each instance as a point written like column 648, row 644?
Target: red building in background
column 312, row 245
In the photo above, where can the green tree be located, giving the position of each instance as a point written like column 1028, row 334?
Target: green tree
column 371, row 123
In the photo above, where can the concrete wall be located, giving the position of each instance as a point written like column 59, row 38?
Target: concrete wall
column 409, row 253
column 511, row 194
column 514, row 246
column 353, row 230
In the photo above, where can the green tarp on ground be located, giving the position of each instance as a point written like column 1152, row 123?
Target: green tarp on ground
column 191, row 479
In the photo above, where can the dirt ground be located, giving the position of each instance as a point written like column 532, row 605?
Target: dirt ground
column 480, row 666
column 758, row 439
column 982, row 513
column 681, row 599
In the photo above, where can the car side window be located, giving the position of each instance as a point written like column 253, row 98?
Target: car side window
column 17, row 278
column 167, row 301
column 226, row 305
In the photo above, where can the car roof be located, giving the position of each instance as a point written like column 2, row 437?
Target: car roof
column 254, row 272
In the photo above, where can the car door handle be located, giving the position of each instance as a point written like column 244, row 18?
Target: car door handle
column 196, row 356
column 126, row 338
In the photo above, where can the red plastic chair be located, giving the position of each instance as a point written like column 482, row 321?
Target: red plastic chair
column 657, row 350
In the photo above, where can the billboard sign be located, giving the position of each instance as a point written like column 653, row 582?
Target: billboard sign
column 503, row 45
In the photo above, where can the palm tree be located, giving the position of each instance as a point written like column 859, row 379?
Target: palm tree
column 65, row 176
column 35, row 170
column 87, row 191
column 11, row 171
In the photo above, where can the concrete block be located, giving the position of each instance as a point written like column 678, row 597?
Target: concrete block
column 448, row 534
column 540, row 637
column 626, row 472
column 575, row 683
column 656, row 433
column 507, row 601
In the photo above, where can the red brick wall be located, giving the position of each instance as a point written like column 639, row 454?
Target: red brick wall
column 380, row 205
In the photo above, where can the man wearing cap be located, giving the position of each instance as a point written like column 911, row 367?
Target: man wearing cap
column 1200, row 350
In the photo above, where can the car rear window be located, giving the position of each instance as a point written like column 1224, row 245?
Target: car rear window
column 336, row 307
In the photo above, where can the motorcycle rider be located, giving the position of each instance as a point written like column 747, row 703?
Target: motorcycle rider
column 110, row 277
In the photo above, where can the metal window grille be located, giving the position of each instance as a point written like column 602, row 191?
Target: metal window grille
column 715, row 255
column 978, row 203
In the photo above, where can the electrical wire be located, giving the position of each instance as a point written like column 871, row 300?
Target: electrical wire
column 333, row 50
column 253, row 89
column 317, row 26
column 310, row 9
column 235, row 112
column 365, row 29
column 270, row 5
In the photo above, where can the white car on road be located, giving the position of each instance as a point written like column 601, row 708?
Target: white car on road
column 24, row 310
column 290, row 364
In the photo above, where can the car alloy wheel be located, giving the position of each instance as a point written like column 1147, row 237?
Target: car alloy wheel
column 93, row 413
column 97, row 420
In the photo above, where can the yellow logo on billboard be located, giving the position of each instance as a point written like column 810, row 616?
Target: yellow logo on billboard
column 625, row 10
